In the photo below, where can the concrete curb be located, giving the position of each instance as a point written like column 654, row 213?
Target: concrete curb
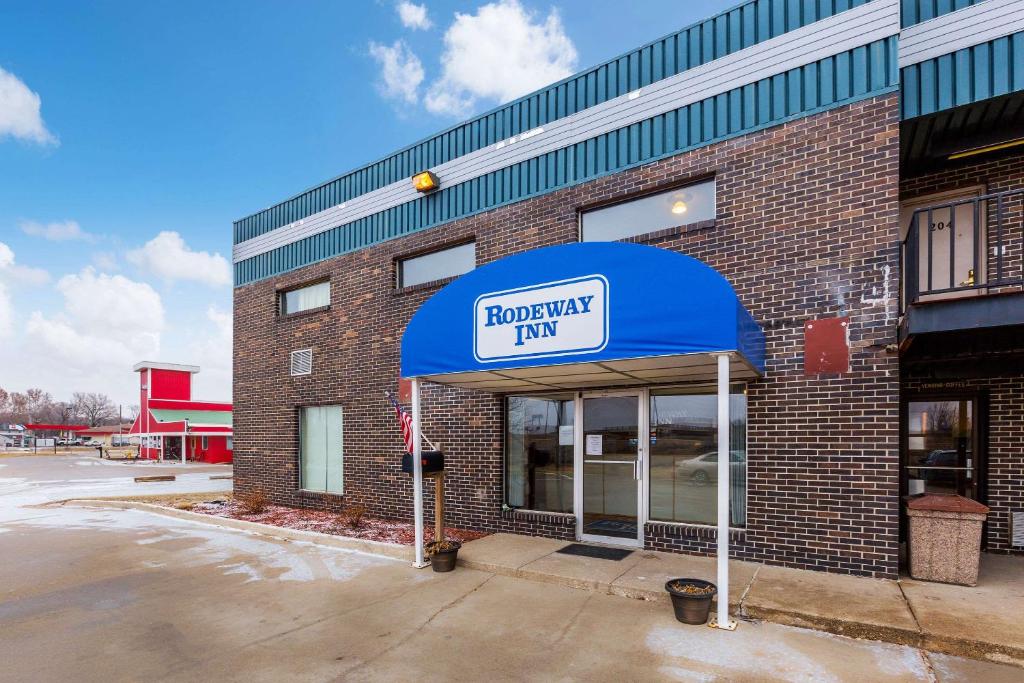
column 391, row 551
column 605, row 587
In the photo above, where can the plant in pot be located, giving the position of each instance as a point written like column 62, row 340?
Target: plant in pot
column 443, row 554
column 691, row 599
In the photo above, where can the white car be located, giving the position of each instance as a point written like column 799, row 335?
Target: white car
column 704, row 468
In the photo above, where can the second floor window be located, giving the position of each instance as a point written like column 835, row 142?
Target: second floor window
column 305, row 298
column 437, row 265
column 651, row 213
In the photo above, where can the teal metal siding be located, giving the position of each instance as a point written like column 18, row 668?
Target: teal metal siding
column 858, row 74
column 915, row 11
column 745, row 25
column 966, row 76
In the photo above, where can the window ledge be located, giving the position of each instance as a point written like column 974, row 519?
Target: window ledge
column 695, row 530
column 674, row 231
column 433, row 284
column 310, row 493
column 561, row 518
column 281, row 317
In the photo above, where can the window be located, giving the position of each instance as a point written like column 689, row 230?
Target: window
column 437, row 265
column 680, row 206
column 684, row 456
column 231, row 443
column 205, row 442
column 306, row 298
column 320, row 449
column 539, row 455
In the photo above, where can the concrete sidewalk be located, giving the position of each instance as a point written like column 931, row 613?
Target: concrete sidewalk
column 983, row 622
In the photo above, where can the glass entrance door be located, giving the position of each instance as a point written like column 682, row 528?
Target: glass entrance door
column 941, row 447
column 612, row 469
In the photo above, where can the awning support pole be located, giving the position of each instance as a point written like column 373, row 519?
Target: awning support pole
column 721, row 619
column 417, row 473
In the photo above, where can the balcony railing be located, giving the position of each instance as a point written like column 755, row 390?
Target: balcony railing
column 967, row 247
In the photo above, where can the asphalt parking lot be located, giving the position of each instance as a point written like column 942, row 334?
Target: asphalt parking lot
column 106, row 595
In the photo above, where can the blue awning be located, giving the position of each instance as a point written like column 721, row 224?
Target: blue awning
column 582, row 314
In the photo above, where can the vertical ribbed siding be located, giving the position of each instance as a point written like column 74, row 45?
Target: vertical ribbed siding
column 970, row 75
column 735, row 29
column 915, row 11
column 859, row 73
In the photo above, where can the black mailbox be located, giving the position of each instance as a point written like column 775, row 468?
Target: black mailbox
column 433, row 461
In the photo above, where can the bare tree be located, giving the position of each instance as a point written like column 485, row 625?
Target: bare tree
column 133, row 412
column 95, row 409
column 63, row 413
column 5, row 406
column 31, row 406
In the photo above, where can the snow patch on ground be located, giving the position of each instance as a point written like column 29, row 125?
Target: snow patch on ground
column 22, row 504
column 770, row 652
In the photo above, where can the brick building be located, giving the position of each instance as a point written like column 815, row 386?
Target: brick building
column 798, row 149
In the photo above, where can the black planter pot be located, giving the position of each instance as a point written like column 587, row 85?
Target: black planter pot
column 444, row 561
column 691, row 608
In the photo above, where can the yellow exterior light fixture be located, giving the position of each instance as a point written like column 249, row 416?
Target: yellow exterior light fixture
column 425, row 182
column 679, row 207
column 986, row 149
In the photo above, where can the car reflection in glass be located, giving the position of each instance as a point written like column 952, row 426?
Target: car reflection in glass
column 703, row 469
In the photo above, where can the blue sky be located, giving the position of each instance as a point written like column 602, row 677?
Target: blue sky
column 132, row 134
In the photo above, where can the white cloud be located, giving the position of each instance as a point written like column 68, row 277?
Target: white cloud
column 59, row 231
column 210, row 349
column 6, row 313
column 413, row 16
column 14, row 275
column 500, row 53
column 107, row 324
column 167, row 256
column 6, row 256
column 222, row 321
column 105, row 260
column 19, row 112
column 401, row 71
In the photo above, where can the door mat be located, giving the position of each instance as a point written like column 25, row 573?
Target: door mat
column 597, row 551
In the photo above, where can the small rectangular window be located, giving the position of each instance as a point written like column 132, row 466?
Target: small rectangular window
column 321, row 449
column 437, row 265
column 231, row 443
column 206, row 443
column 670, row 209
column 306, row 298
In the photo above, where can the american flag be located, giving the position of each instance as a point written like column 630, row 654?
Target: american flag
column 405, row 420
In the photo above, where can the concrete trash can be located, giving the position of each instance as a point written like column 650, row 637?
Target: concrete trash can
column 945, row 538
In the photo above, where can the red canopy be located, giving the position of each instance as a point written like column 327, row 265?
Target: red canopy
column 56, row 428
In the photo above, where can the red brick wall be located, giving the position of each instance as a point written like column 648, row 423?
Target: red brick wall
column 806, row 228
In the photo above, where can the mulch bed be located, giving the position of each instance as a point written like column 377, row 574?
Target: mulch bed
column 370, row 528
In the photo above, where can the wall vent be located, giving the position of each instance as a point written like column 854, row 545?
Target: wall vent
column 301, row 362
column 1017, row 528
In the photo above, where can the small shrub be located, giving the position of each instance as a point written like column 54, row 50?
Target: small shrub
column 254, row 502
column 354, row 515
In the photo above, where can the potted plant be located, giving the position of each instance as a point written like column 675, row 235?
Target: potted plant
column 691, row 599
column 443, row 553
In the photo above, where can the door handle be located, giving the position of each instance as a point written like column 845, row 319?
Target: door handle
column 610, row 462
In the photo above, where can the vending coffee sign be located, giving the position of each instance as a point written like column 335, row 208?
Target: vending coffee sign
column 547, row 319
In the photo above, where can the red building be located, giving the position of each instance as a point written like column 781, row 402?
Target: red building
column 173, row 426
